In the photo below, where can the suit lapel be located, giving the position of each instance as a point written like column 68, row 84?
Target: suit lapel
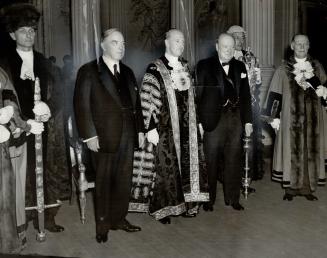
column 235, row 75
column 219, row 73
column 108, row 81
column 131, row 86
column 230, row 75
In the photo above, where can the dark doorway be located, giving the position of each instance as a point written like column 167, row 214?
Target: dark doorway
column 313, row 22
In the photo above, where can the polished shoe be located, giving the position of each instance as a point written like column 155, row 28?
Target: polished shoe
column 311, row 197
column 237, row 206
column 165, row 220
column 288, row 197
column 101, row 238
column 128, row 227
column 207, row 207
column 188, row 215
column 54, row 228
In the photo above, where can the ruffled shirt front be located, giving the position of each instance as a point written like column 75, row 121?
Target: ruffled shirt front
column 27, row 69
column 179, row 75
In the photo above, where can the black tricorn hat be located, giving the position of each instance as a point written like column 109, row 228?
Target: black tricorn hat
column 20, row 15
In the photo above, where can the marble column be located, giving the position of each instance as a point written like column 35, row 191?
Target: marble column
column 258, row 19
column 114, row 14
column 287, row 25
column 43, row 40
column 86, row 30
column 182, row 18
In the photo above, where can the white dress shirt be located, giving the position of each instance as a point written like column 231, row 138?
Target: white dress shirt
column 225, row 67
column 110, row 64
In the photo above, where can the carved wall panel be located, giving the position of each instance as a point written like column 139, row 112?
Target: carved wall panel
column 211, row 18
column 143, row 23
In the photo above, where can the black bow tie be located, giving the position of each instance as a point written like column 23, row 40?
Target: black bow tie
column 224, row 63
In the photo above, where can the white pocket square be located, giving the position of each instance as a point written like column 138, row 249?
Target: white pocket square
column 243, row 75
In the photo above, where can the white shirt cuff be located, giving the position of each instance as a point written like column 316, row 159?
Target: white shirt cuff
column 86, row 140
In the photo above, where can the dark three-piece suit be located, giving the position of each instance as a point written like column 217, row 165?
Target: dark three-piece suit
column 109, row 107
column 224, row 107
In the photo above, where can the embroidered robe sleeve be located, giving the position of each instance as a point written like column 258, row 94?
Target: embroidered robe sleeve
column 150, row 97
column 17, row 124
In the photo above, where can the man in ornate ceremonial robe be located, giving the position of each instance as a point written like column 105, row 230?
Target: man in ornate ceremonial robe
column 254, row 75
column 23, row 65
column 9, row 240
column 224, row 108
column 294, row 104
column 109, row 120
column 170, row 120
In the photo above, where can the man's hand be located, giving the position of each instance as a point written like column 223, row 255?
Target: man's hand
column 6, row 114
column 141, row 140
column 93, row 144
column 275, row 124
column 321, row 91
column 42, row 110
column 248, row 129
column 153, row 136
column 36, row 127
column 201, row 130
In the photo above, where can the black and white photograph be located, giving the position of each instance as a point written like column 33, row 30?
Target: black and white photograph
column 163, row 128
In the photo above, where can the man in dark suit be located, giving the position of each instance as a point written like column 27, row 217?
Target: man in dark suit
column 224, row 109
column 109, row 120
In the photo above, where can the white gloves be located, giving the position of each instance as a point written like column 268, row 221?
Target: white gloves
column 153, row 136
column 4, row 134
column 321, row 91
column 275, row 124
column 36, row 127
column 248, row 129
column 6, row 114
column 43, row 110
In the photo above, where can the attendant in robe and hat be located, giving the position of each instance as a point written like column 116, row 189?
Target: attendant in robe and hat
column 251, row 62
column 23, row 65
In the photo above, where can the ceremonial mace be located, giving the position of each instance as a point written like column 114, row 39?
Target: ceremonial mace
column 83, row 184
column 246, row 180
column 40, row 236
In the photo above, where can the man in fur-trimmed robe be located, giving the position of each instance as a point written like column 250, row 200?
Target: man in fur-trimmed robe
column 294, row 104
column 23, row 65
column 170, row 119
column 9, row 240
